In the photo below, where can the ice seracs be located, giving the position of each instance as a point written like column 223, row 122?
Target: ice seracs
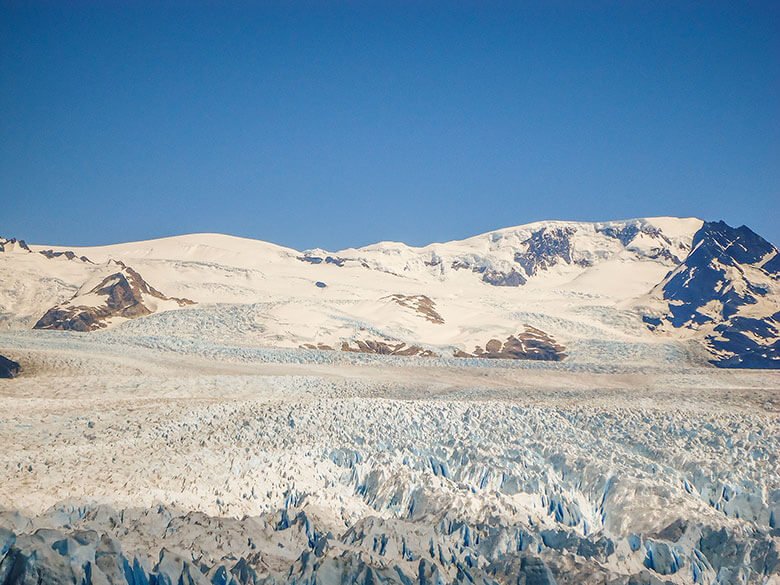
column 135, row 459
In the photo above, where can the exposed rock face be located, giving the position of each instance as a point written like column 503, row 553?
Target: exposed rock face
column 704, row 276
column 628, row 233
column 546, row 248
column 312, row 259
column 320, row 346
column 420, row 304
column 9, row 368
column 492, row 276
column 745, row 342
column 385, row 348
column 498, row 278
column 67, row 254
column 12, row 244
column 123, row 294
column 531, row 344
column 728, row 282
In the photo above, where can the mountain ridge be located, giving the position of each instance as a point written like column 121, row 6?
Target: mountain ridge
column 529, row 225
column 646, row 273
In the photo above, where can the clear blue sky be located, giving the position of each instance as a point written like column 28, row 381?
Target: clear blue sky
column 339, row 124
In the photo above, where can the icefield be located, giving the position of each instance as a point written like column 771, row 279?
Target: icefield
column 135, row 459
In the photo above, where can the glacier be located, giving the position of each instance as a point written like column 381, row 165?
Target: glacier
column 568, row 403
column 133, row 461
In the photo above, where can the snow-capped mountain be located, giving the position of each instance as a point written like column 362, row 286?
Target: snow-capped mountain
column 544, row 290
column 727, row 288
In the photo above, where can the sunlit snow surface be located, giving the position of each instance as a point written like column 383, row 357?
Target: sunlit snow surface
column 135, row 457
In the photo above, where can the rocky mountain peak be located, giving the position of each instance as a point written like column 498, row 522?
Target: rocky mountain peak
column 546, row 248
column 123, row 294
column 728, row 287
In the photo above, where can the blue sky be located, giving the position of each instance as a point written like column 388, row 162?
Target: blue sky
column 340, row 124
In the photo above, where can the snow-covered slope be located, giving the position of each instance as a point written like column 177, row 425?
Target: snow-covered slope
column 573, row 282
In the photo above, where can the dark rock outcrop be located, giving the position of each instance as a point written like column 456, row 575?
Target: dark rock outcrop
column 385, row 348
column 319, row 346
column 124, row 295
column 703, row 277
column 491, row 275
column 9, row 368
column 51, row 254
column 629, row 232
column 335, row 260
column 9, row 244
column 420, row 304
column 728, row 270
column 748, row 343
column 546, row 248
column 498, row 278
column 531, row 344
